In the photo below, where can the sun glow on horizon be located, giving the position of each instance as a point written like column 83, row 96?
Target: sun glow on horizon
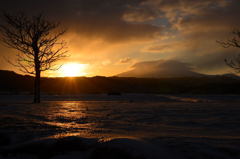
column 73, row 70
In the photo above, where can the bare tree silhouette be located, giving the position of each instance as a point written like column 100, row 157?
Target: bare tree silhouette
column 235, row 43
column 37, row 40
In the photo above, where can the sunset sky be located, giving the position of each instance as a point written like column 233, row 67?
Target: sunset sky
column 108, row 37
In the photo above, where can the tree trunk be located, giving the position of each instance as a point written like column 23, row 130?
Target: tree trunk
column 37, row 87
column 37, row 72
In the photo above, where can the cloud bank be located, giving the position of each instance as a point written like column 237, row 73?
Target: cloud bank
column 161, row 69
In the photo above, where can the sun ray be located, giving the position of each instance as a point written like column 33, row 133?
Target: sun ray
column 73, row 70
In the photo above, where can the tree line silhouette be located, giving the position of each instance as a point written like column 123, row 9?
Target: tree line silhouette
column 12, row 83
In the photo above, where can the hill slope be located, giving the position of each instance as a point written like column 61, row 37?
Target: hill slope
column 11, row 82
column 161, row 69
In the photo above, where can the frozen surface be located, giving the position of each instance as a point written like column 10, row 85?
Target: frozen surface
column 132, row 126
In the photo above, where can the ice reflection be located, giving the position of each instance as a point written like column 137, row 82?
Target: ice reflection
column 71, row 117
column 115, row 118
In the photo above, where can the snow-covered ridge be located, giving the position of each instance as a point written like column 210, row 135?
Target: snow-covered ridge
column 122, row 148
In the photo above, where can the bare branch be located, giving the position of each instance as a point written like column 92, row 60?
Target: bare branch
column 235, row 43
column 37, row 40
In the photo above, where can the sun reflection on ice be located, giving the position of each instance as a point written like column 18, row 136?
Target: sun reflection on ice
column 70, row 116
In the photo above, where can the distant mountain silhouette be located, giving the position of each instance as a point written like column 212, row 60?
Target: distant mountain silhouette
column 161, row 69
column 231, row 75
column 6, row 73
column 12, row 83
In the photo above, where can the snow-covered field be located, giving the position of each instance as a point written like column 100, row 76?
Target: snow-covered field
column 126, row 127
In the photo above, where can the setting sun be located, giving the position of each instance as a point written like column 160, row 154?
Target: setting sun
column 73, row 70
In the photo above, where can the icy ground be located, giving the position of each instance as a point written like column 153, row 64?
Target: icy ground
column 120, row 127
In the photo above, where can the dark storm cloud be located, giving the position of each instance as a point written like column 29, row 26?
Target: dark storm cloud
column 203, row 29
column 117, row 20
column 214, row 17
column 89, row 18
column 199, row 24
